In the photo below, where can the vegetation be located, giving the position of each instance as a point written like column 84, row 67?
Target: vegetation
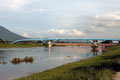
column 2, row 41
column 19, row 60
column 96, row 68
column 21, row 45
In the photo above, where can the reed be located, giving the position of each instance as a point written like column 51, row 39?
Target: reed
column 19, row 60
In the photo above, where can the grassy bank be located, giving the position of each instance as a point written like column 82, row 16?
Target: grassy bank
column 25, row 45
column 5, row 45
column 96, row 68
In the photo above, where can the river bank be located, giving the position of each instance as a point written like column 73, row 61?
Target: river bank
column 100, row 67
column 27, row 45
column 6, row 45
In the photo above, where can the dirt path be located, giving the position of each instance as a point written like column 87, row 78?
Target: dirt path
column 117, row 76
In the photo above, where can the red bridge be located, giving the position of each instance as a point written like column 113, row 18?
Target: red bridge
column 82, row 44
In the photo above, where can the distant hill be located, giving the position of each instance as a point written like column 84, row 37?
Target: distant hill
column 6, row 34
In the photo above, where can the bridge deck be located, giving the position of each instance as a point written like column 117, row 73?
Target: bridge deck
column 55, row 40
column 81, row 44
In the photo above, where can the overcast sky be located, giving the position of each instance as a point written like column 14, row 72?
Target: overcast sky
column 62, row 18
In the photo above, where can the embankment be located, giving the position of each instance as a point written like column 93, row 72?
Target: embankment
column 96, row 68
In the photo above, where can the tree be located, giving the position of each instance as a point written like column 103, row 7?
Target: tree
column 2, row 41
column 108, row 41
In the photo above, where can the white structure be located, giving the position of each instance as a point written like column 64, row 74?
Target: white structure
column 49, row 44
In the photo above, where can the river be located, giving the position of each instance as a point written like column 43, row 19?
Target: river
column 44, row 58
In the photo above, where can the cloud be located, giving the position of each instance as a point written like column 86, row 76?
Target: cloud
column 94, row 29
column 110, row 16
column 61, row 33
column 41, row 10
column 25, row 35
column 13, row 5
column 98, row 26
column 108, row 20
column 104, row 26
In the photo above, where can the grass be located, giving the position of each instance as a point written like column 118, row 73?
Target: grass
column 5, row 45
column 96, row 68
column 24, row 45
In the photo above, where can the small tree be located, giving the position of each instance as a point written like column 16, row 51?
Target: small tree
column 2, row 41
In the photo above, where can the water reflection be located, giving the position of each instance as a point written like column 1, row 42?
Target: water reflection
column 43, row 59
column 2, row 54
column 49, row 51
column 95, row 51
column 51, row 56
column 3, row 62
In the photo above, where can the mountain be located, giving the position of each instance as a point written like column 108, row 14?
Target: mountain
column 6, row 34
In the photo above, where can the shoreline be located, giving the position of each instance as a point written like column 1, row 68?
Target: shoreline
column 101, row 67
column 5, row 45
column 28, row 45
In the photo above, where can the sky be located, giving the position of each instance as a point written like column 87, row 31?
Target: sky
column 62, row 18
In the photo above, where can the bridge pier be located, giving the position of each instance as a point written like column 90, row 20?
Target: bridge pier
column 49, row 44
column 95, row 42
column 95, row 45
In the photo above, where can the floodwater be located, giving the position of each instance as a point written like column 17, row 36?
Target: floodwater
column 44, row 58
